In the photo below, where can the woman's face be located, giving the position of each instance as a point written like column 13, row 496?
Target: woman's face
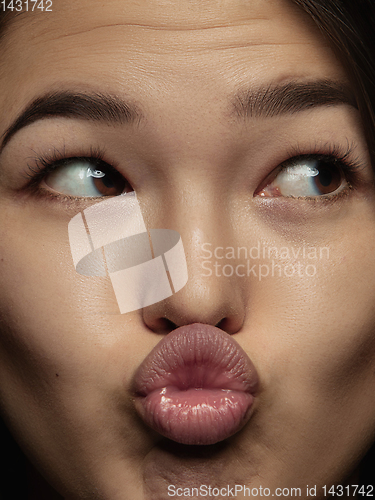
column 224, row 92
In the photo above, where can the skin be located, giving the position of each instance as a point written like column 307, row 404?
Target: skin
column 68, row 357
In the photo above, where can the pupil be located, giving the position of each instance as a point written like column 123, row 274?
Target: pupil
column 106, row 180
column 325, row 177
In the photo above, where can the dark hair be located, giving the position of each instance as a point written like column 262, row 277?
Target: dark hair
column 349, row 25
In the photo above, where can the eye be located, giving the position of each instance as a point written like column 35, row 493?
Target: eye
column 85, row 177
column 305, row 176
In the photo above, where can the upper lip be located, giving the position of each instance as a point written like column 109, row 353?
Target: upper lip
column 196, row 355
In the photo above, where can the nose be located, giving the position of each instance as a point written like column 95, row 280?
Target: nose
column 197, row 302
column 208, row 298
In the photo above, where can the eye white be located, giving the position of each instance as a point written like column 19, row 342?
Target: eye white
column 75, row 179
column 299, row 179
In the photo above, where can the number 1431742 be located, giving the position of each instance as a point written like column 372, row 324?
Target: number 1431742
column 26, row 5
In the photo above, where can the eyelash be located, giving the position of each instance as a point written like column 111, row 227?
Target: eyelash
column 47, row 163
column 343, row 158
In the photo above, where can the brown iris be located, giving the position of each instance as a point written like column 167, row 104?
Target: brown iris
column 329, row 178
column 109, row 182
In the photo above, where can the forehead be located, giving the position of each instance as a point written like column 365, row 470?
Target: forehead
column 167, row 14
column 170, row 45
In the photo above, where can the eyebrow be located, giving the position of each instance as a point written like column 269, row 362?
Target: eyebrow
column 88, row 106
column 291, row 97
column 264, row 102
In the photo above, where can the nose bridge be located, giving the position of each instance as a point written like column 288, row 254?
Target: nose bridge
column 199, row 210
column 200, row 214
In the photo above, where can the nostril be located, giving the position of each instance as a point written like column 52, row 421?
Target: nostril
column 162, row 326
column 229, row 325
column 221, row 324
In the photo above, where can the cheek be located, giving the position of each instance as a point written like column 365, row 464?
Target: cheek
column 312, row 342
column 49, row 314
column 40, row 281
column 66, row 354
column 314, row 336
column 320, row 322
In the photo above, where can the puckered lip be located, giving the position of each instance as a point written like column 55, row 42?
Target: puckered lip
column 196, row 386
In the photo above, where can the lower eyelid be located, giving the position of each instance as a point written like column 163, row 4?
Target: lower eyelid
column 325, row 198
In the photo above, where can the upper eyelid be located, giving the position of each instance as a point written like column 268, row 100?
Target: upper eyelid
column 350, row 165
column 352, row 159
column 41, row 161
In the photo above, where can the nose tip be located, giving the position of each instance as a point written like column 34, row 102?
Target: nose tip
column 207, row 303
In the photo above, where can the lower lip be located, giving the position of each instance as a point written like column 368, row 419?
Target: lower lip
column 189, row 392
column 196, row 416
